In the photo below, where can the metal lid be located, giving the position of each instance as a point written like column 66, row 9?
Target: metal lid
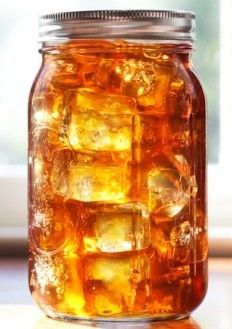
column 154, row 25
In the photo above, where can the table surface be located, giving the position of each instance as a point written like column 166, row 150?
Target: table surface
column 17, row 309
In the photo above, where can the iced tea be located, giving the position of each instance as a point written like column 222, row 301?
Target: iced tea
column 117, row 222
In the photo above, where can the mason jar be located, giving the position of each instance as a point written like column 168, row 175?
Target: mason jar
column 117, row 196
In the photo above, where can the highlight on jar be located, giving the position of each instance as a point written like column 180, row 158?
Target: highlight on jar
column 117, row 201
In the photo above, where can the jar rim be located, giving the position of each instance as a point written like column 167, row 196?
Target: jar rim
column 162, row 25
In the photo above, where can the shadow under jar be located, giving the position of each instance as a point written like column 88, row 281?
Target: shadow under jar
column 117, row 210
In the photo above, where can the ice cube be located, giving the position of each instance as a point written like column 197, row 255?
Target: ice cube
column 72, row 71
column 118, row 281
column 178, row 275
column 177, row 84
column 47, row 111
column 118, row 228
column 180, row 96
column 165, row 192
column 157, row 96
column 148, row 81
column 155, row 130
column 73, row 297
column 137, row 77
column 50, row 227
column 169, row 185
column 43, row 144
column 181, row 234
column 99, row 121
column 47, row 126
column 97, row 183
column 41, row 190
column 66, row 75
column 88, row 179
column 48, row 278
column 56, row 280
column 86, row 68
column 107, row 74
column 62, row 161
column 168, row 246
column 179, row 134
column 153, row 136
column 163, row 303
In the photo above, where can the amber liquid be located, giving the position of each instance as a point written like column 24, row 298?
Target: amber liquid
column 117, row 182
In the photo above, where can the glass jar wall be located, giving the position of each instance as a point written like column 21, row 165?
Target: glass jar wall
column 117, row 215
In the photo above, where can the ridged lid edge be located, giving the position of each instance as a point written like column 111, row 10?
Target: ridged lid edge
column 113, row 24
column 117, row 15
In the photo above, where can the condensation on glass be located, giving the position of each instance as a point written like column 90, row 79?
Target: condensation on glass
column 117, row 209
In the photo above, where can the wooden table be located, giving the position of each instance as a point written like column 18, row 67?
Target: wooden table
column 18, row 311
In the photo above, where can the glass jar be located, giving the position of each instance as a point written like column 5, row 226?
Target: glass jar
column 117, row 210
